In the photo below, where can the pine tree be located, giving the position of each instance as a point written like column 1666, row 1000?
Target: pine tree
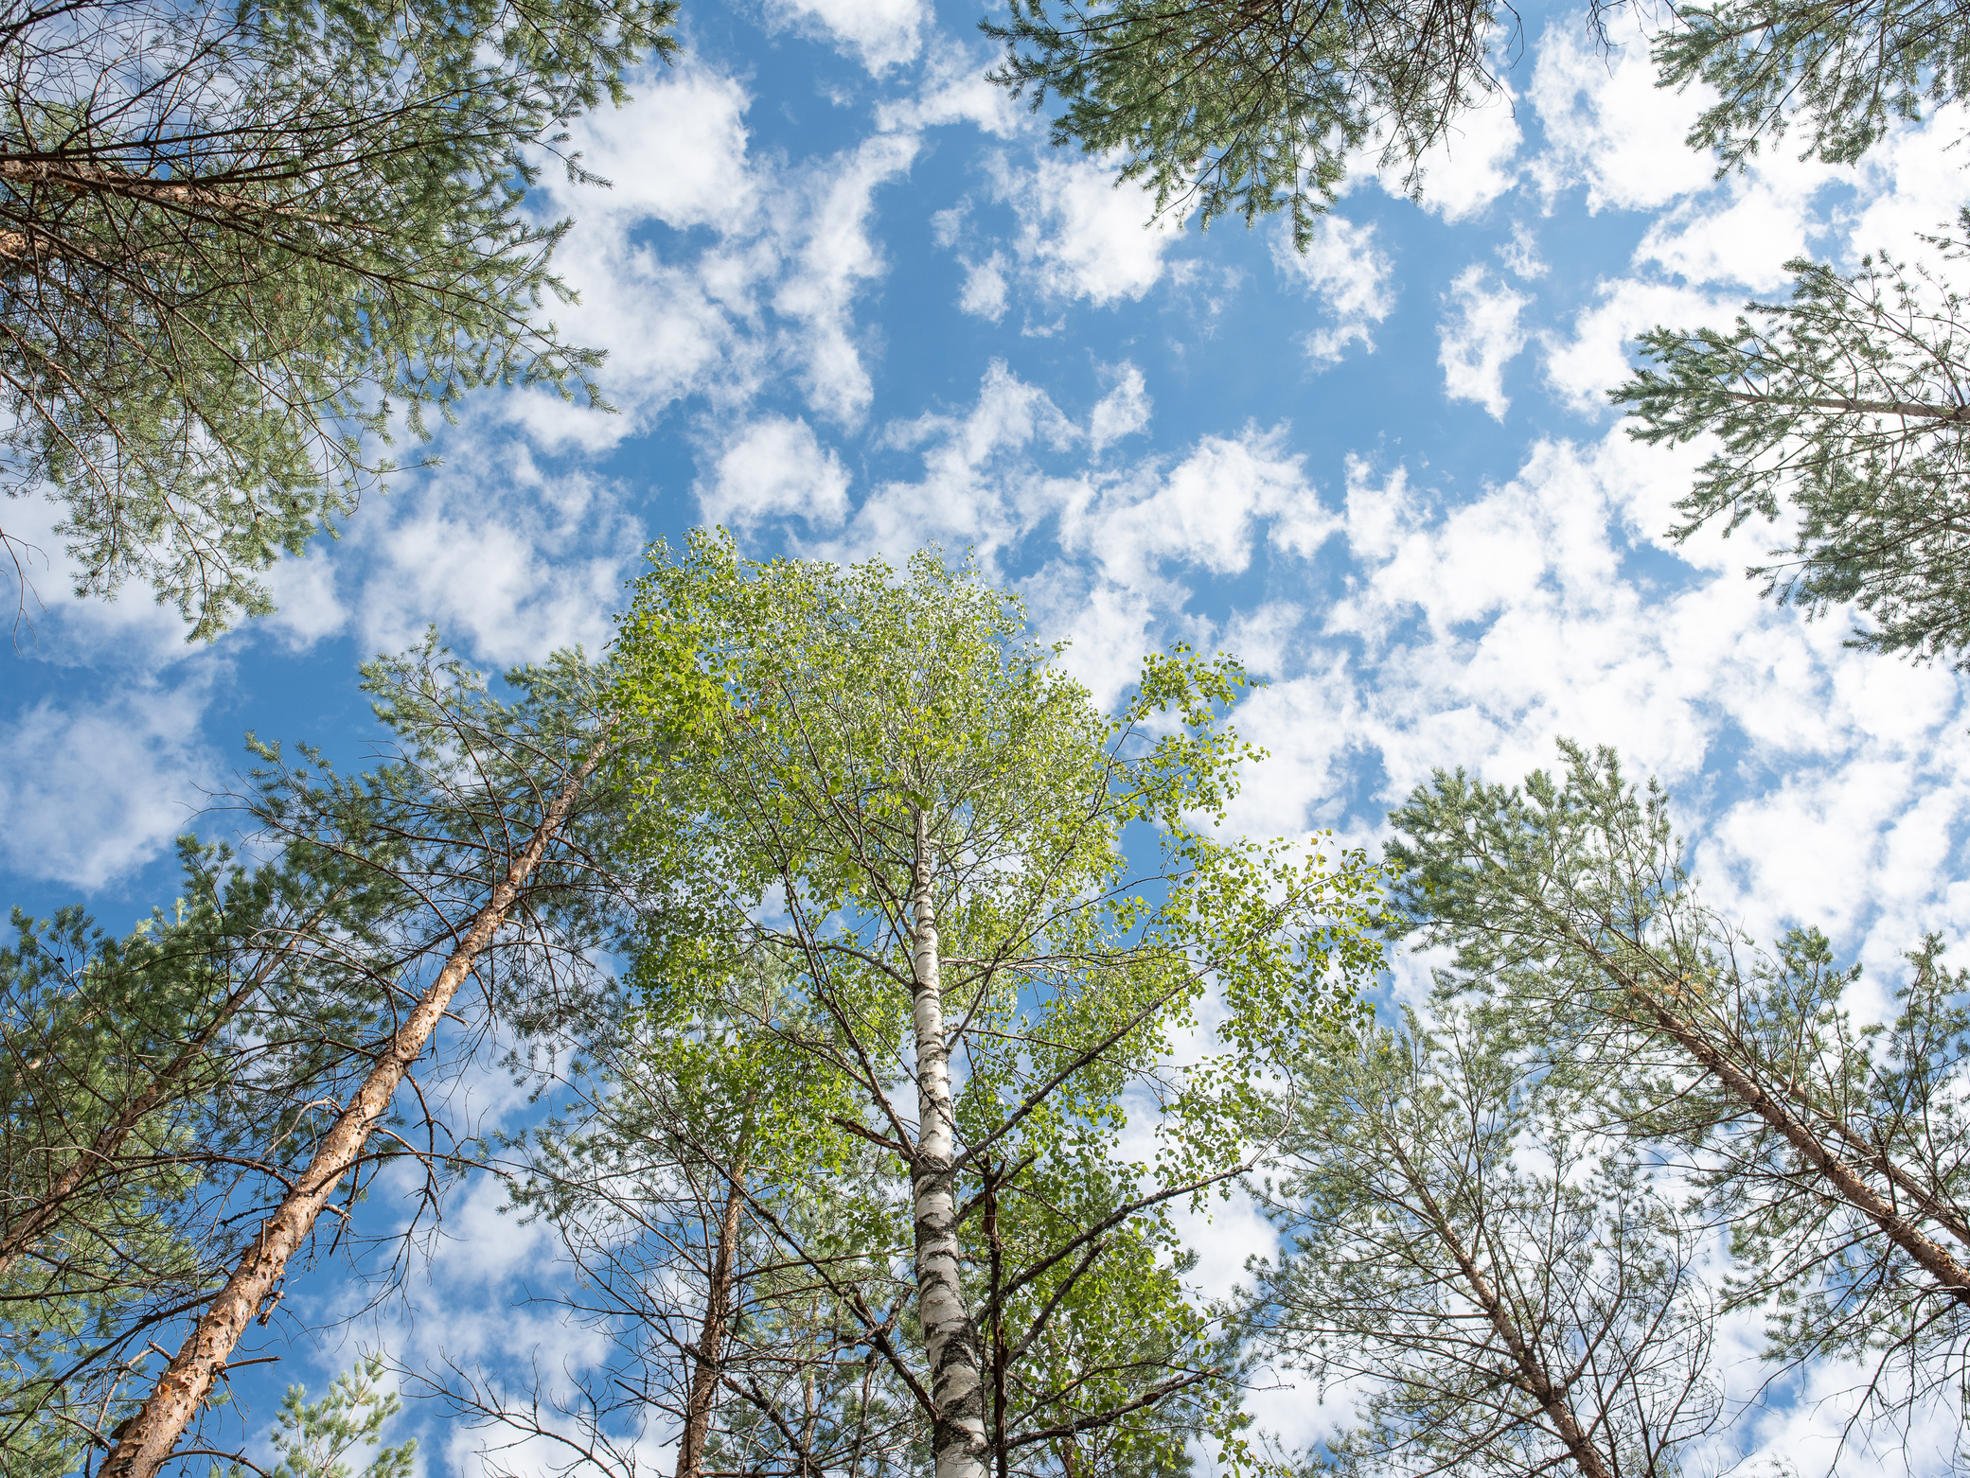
column 1249, row 107
column 238, row 241
column 1842, row 415
column 1503, row 1284
column 1834, row 1152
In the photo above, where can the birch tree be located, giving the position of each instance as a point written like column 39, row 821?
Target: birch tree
column 1839, row 414
column 1833, row 1149
column 238, row 243
column 1504, row 1290
column 929, row 826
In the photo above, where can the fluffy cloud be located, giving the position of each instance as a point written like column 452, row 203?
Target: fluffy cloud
column 836, row 257
column 1478, row 337
column 882, row 33
column 1123, row 411
column 508, row 581
column 93, row 791
column 1607, row 126
column 1590, row 361
column 1203, row 511
column 1081, row 234
column 775, row 466
column 700, row 176
column 1474, row 163
column 1350, row 276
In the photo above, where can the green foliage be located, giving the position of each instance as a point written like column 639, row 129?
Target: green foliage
column 1246, row 107
column 1847, row 70
column 237, row 241
column 1456, row 1240
column 1566, row 907
column 848, row 708
column 331, row 1437
column 145, row 1081
column 1842, row 409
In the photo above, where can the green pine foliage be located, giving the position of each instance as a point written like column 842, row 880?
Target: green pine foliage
column 1833, row 1153
column 1247, row 108
column 340, row 1434
column 240, row 245
column 1840, row 415
column 1506, row 1289
column 1843, row 73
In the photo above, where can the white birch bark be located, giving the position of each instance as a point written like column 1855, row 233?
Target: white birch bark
column 950, row 1337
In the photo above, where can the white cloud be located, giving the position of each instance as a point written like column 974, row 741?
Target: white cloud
column 1203, row 511
column 775, row 466
column 836, row 257
column 1607, row 125
column 980, row 485
column 882, row 33
column 1083, row 234
column 1349, row 274
column 1744, row 229
column 307, row 609
column 1478, row 337
column 953, row 88
column 1594, row 359
column 92, row 792
column 675, row 152
column 984, row 292
column 506, row 580
column 1474, row 163
column 1123, row 411
column 1911, row 182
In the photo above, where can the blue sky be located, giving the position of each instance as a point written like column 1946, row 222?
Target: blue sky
column 855, row 304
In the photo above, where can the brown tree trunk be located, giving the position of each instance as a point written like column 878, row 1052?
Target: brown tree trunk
column 1533, row 1376
column 1952, row 1276
column 707, row 1366
column 146, row 1440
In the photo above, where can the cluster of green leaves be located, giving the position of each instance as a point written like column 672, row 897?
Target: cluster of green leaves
column 236, row 241
column 853, row 706
column 1842, row 411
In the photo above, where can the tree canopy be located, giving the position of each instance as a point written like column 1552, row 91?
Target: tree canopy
column 242, row 246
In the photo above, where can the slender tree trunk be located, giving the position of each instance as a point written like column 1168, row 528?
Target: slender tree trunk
column 950, row 1336
column 146, row 1440
column 1533, row 1376
column 1848, row 1184
column 708, row 1364
column 1001, row 1454
column 30, row 1225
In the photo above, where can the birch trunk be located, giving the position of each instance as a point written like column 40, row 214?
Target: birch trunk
column 146, row 1440
column 950, row 1336
column 707, row 1363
